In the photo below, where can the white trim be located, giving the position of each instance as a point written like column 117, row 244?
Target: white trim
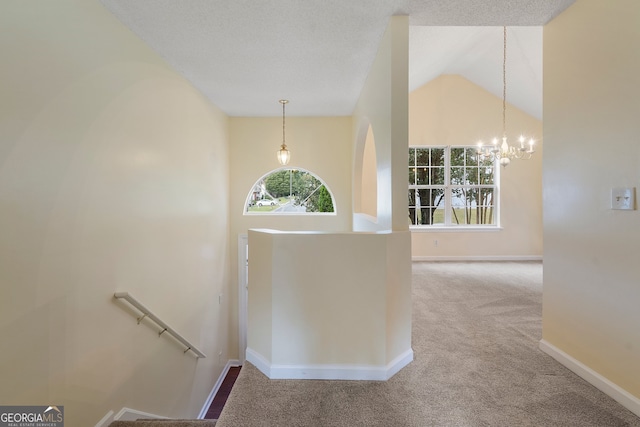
column 128, row 414
column 479, row 258
column 448, row 189
column 399, row 362
column 106, row 420
column 291, row 213
column 216, row 387
column 259, row 361
column 330, row 372
column 286, row 168
column 454, row 228
column 609, row 388
column 243, row 242
column 360, row 215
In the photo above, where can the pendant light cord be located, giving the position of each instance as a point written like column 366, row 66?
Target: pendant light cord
column 504, row 84
column 284, row 102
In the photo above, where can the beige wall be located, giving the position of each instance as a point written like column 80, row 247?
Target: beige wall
column 321, row 145
column 369, row 181
column 591, row 110
column 451, row 110
column 113, row 176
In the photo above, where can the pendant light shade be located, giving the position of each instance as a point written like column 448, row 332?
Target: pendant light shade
column 283, row 155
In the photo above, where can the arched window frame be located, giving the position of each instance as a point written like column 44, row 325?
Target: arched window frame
column 250, row 194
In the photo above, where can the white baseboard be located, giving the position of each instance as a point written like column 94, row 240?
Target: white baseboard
column 330, row 372
column 126, row 414
column 106, row 420
column 609, row 388
column 399, row 362
column 479, row 258
column 217, row 386
column 258, row 361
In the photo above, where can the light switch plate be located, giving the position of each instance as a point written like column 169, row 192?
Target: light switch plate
column 623, row 198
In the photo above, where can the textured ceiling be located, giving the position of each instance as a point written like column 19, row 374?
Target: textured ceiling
column 245, row 55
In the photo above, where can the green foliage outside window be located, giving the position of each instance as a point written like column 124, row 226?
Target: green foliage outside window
column 320, row 201
column 293, row 188
column 450, row 186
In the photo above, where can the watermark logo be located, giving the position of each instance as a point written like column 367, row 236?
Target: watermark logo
column 32, row 416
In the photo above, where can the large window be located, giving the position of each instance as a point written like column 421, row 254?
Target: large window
column 449, row 186
column 289, row 191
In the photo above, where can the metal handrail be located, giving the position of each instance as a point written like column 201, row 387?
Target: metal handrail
column 165, row 328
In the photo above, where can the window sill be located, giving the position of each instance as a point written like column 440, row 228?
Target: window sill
column 454, row 229
column 273, row 213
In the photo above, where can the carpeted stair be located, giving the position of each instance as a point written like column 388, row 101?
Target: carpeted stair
column 164, row 423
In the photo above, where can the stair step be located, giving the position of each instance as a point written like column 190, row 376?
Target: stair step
column 164, row 423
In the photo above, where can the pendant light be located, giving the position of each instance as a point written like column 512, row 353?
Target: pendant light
column 283, row 154
column 504, row 152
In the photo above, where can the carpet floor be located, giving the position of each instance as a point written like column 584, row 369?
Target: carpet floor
column 475, row 334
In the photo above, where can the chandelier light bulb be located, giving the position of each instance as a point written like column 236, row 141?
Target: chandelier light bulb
column 505, row 146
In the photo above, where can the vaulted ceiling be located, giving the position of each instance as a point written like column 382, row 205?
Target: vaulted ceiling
column 245, row 55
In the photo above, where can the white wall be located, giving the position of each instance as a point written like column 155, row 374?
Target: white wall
column 329, row 305
column 383, row 105
column 591, row 110
column 450, row 110
column 113, row 176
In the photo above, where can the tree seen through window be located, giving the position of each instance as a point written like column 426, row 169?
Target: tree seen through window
column 290, row 191
column 450, row 186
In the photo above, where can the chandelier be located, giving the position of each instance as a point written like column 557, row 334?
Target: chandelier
column 283, row 154
column 504, row 152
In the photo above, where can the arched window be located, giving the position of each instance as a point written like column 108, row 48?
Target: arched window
column 290, row 191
